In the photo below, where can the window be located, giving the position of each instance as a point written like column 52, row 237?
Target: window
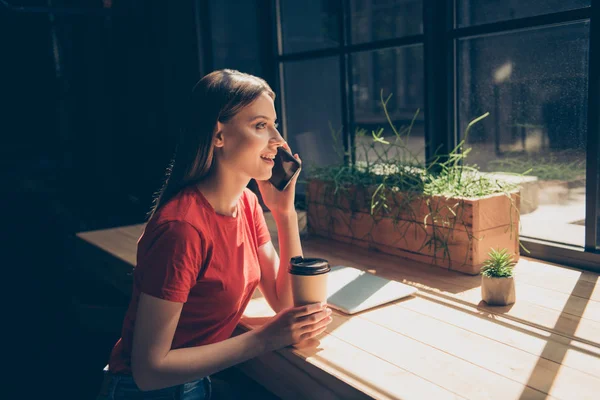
column 476, row 12
column 313, row 110
column 235, row 36
column 534, row 84
column 332, row 88
column 379, row 20
column 398, row 72
column 309, row 25
column 527, row 62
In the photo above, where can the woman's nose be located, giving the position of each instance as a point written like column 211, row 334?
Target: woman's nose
column 276, row 138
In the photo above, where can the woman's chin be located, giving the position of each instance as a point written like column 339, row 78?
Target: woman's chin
column 263, row 176
column 266, row 177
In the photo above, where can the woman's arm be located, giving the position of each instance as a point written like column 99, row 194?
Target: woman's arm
column 154, row 365
column 275, row 283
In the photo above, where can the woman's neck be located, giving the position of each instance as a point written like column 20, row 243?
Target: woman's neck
column 222, row 192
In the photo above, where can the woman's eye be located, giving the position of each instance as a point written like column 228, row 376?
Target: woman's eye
column 263, row 125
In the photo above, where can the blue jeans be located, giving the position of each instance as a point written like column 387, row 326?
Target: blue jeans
column 122, row 387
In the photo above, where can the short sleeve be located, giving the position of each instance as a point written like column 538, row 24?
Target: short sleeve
column 170, row 261
column 262, row 230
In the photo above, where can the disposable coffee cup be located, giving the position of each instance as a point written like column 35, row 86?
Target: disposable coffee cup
column 309, row 280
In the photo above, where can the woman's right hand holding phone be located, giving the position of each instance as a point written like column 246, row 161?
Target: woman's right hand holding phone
column 294, row 325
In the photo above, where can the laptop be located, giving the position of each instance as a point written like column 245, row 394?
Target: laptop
column 351, row 290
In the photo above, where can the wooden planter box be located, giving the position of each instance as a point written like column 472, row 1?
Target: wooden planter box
column 453, row 233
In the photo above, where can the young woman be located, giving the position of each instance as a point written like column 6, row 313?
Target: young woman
column 206, row 248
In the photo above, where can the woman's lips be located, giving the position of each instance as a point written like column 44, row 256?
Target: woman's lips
column 268, row 161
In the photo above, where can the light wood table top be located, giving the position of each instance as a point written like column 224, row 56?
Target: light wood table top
column 444, row 342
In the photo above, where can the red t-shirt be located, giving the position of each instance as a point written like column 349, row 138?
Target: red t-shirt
column 190, row 254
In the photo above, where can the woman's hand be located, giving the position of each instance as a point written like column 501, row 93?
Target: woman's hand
column 280, row 202
column 294, row 325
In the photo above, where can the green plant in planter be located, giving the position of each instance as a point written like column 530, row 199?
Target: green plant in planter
column 402, row 171
column 392, row 183
column 500, row 264
column 497, row 283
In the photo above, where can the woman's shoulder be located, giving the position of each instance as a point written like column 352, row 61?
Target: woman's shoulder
column 184, row 211
column 164, row 236
column 250, row 202
column 250, row 198
column 175, row 228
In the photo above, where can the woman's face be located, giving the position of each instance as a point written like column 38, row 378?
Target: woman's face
column 247, row 143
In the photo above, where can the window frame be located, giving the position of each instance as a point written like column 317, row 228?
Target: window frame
column 439, row 40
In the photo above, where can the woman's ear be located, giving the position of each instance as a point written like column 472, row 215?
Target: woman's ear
column 218, row 136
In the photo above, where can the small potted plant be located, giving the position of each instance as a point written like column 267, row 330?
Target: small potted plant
column 497, row 282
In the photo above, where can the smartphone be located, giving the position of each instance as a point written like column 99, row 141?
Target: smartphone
column 285, row 169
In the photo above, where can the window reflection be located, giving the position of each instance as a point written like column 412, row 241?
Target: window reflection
column 398, row 72
column 378, row 20
column 534, row 84
column 313, row 105
column 476, row 12
column 235, row 36
column 309, row 25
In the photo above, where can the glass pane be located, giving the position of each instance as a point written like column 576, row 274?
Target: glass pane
column 534, row 84
column 235, row 36
column 477, row 12
column 309, row 25
column 398, row 72
column 313, row 104
column 378, row 20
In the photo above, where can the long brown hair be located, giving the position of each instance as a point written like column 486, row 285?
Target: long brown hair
column 218, row 96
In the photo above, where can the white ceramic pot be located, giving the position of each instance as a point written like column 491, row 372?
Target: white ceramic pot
column 498, row 291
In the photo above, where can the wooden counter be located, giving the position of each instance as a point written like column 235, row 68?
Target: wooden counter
column 440, row 344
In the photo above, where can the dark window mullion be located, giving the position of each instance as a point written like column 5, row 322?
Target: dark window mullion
column 349, row 80
column 344, row 87
column 592, row 175
column 452, row 84
column 278, row 29
column 276, row 4
column 353, row 48
column 311, row 54
column 267, row 34
column 283, row 110
column 523, row 23
column 385, row 44
column 439, row 134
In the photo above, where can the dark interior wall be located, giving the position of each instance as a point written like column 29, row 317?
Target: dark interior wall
column 91, row 102
column 242, row 37
column 159, row 66
column 89, row 111
column 82, row 146
column 93, row 99
column 27, row 82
